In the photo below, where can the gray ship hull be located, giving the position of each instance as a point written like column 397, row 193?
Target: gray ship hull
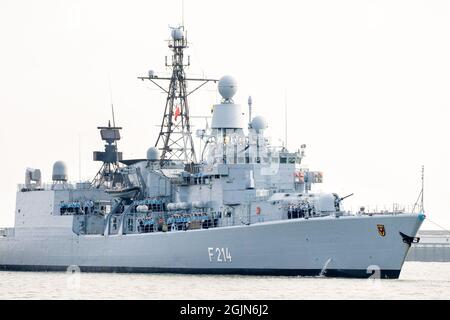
column 348, row 246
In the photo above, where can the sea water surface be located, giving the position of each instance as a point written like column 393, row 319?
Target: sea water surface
column 418, row 280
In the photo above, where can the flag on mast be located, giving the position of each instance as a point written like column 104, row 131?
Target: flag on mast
column 177, row 113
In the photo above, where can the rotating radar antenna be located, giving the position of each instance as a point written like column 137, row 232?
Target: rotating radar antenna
column 110, row 157
column 175, row 140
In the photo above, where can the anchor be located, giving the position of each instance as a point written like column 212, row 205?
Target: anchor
column 408, row 239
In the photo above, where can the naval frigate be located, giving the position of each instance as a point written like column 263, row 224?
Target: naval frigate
column 238, row 206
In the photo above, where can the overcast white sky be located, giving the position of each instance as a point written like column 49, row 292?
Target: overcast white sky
column 367, row 84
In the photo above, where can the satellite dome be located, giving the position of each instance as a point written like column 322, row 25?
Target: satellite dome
column 227, row 87
column 259, row 123
column 177, row 34
column 152, row 154
column 59, row 171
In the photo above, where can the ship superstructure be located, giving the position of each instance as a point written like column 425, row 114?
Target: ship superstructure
column 239, row 205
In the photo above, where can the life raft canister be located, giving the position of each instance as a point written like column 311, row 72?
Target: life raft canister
column 258, row 210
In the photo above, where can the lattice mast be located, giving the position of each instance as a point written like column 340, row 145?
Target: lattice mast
column 175, row 137
column 110, row 157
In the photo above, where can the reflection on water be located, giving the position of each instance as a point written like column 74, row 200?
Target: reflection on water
column 419, row 280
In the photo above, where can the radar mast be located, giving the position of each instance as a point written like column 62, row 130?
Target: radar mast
column 175, row 138
column 110, row 157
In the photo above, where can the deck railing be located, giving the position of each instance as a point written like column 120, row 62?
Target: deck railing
column 51, row 186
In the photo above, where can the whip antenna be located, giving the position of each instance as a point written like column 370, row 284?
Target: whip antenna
column 112, row 104
column 285, row 120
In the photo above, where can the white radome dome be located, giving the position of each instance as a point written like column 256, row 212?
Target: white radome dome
column 227, row 87
column 59, row 171
column 177, row 34
column 152, row 154
column 259, row 123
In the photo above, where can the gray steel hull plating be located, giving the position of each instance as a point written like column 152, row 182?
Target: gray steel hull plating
column 348, row 246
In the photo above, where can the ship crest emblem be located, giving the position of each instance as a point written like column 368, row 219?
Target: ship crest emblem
column 381, row 230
